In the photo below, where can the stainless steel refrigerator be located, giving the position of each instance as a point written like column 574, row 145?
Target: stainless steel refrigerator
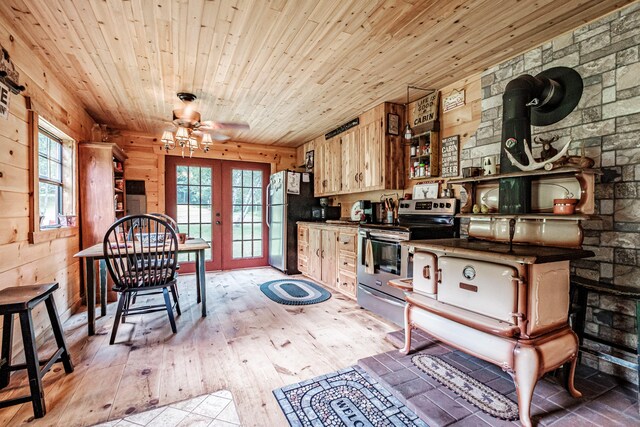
column 284, row 209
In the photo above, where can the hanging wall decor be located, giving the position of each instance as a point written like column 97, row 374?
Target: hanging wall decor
column 450, row 159
column 8, row 74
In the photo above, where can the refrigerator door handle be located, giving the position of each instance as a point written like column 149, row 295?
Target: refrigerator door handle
column 268, row 205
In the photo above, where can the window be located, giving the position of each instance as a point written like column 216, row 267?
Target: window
column 53, row 201
column 50, row 179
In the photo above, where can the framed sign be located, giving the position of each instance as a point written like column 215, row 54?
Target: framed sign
column 450, row 159
column 454, row 100
column 308, row 161
column 4, row 101
column 393, row 124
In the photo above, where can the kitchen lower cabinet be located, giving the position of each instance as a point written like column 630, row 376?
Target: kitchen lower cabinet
column 315, row 260
column 303, row 249
column 327, row 254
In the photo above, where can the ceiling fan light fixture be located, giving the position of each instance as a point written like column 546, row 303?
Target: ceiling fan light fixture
column 168, row 141
column 182, row 136
column 206, row 142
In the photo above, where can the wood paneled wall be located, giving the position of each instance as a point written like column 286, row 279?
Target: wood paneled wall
column 146, row 161
column 23, row 263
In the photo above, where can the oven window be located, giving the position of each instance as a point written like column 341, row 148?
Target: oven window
column 386, row 256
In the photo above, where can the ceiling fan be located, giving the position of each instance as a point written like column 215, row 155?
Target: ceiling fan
column 190, row 125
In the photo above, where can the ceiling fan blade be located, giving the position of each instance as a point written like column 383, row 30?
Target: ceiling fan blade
column 226, row 125
column 220, row 137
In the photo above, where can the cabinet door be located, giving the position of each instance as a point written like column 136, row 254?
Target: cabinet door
column 371, row 155
column 333, row 165
column 319, row 183
column 303, row 249
column 315, row 247
column 328, row 256
column 350, row 161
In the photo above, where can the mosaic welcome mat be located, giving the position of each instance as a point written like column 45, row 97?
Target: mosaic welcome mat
column 294, row 292
column 473, row 391
column 349, row 397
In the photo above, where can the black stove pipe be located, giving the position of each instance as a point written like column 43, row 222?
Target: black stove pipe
column 520, row 95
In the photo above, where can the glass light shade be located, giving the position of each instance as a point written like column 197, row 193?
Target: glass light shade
column 408, row 133
column 182, row 136
column 206, row 142
column 167, row 140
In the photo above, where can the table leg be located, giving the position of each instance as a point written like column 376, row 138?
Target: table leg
column 91, row 295
column 198, row 279
column 202, row 281
column 103, row 288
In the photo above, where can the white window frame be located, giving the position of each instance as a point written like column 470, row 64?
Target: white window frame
column 38, row 234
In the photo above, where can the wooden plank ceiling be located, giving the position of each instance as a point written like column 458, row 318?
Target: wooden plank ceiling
column 293, row 69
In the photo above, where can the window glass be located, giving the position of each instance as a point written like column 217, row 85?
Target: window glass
column 50, row 186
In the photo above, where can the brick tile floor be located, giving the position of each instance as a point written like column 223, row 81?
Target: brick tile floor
column 607, row 401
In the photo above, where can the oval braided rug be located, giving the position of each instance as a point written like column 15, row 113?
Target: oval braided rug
column 294, row 292
column 473, row 391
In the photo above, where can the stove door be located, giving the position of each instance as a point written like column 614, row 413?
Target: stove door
column 482, row 287
column 425, row 266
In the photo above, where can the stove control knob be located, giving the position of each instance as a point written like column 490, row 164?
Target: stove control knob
column 441, row 205
column 448, row 205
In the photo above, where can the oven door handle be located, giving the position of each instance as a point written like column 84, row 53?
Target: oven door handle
column 386, row 300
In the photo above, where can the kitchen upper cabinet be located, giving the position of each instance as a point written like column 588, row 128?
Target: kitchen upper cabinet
column 363, row 158
column 371, row 176
column 351, row 161
column 328, row 168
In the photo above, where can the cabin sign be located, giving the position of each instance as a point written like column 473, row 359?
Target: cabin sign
column 424, row 110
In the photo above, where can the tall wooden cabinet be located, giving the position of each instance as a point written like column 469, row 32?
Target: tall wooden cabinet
column 102, row 189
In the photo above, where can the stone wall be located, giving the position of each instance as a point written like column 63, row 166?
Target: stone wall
column 607, row 124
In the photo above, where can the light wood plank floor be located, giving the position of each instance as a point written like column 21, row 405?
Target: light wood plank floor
column 248, row 344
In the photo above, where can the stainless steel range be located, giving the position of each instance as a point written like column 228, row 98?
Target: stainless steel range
column 381, row 257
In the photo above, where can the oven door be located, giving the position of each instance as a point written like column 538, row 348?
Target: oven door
column 380, row 260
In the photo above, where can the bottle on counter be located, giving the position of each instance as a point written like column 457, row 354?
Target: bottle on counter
column 421, row 170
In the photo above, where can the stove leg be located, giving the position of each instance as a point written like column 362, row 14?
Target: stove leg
column 570, row 377
column 407, row 329
column 526, row 364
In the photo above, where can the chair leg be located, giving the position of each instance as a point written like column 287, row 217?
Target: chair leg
column 116, row 321
column 7, row 349
column 174, row 292
column 58, row 333
column 127, row 304
column 33, row 364
column 167, row 302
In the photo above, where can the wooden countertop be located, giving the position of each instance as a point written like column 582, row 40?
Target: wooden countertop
column 481, row 249
column 339, row 224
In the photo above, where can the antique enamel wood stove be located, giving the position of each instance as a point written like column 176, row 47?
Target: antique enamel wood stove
column 504, row 303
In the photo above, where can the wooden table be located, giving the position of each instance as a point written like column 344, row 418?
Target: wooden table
column 96, row 253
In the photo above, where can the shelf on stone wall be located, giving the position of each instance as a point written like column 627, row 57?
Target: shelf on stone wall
column 540, row 172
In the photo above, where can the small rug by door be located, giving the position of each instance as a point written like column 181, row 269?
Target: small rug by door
column 474, row 392
column 349, row 397
column 294, row 292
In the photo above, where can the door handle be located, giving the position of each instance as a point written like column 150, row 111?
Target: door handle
column 360, row 177
column 318, row 252
column 356, row 177
column 426, row 272
column 218, row 222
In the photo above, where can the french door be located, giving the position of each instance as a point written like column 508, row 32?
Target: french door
column 222, row 202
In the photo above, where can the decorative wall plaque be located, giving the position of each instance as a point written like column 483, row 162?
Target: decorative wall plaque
column 450, row 159
column 423, row 113
column 454, row 100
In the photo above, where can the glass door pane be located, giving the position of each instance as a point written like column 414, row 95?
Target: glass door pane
column 193, row 200
column 246, row 227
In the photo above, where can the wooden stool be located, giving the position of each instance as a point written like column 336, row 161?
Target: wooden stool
column 21, row 300
column 583, row 287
